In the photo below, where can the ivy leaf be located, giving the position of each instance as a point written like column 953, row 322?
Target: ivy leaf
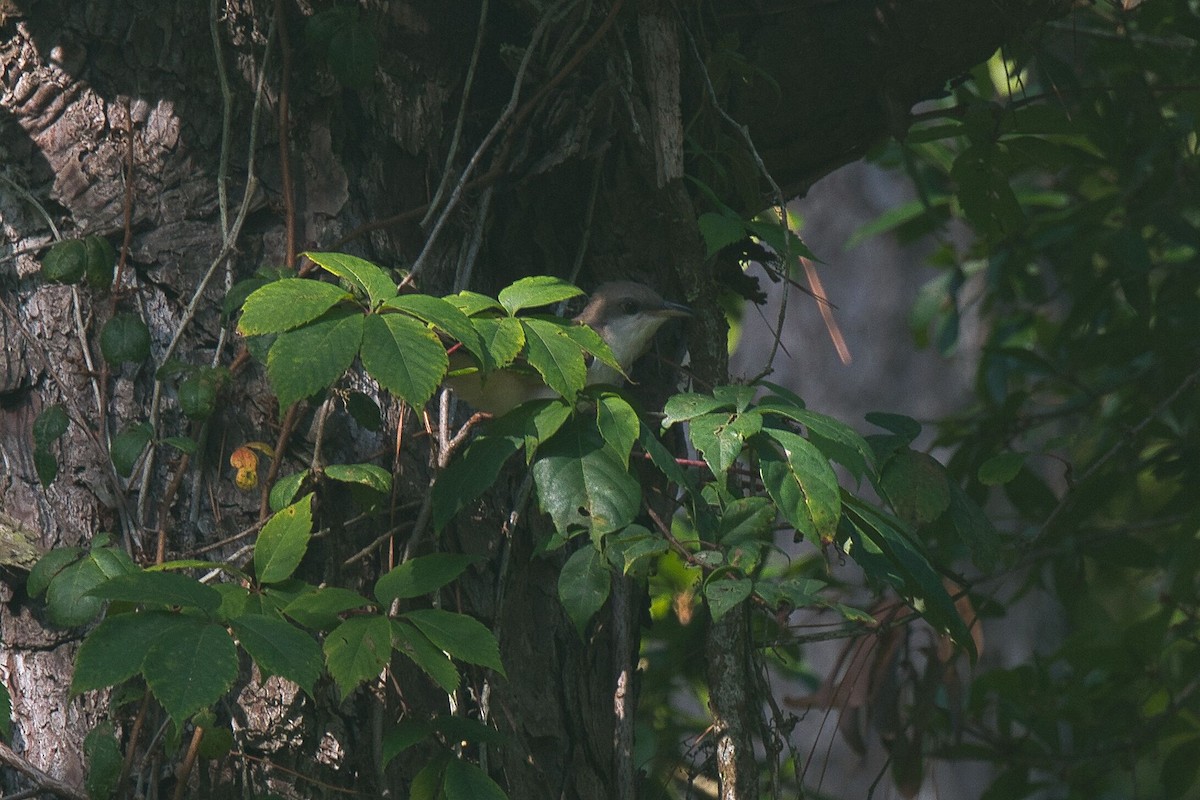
column 747, row 519
column 463, row 637
column 69, row 601
column 556, row 357
column 189, row 666
column 443, row 316
column 357, row 650
column 916, row 486
column 370, row 279
column 802, row 484
column 289, row 303
column 369, row 475
column 159, row 588
column 280, row 649
column 502, row 340
column 404, row 356
column 470, row 475
column 466, row 781
column 50, row 424
column 584, row 585
column 125, row 339
column 536, row 291
column 582, row 483
column 416, row 646
column 127, row 447
column 618, row 424
column 103, row 759
column 688, row 405
column 319, row 609
column 115, row 649
column 724, row 594
column 283, row 541
column 305, row 361
column 420, row 576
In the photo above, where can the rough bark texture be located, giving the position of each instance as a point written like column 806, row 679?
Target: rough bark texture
column 110, row 109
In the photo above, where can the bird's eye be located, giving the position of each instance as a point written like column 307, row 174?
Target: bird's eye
column 629, row 307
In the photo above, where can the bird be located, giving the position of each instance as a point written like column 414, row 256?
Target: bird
column 625, row 314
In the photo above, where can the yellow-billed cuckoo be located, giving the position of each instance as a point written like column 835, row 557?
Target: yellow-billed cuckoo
column 624, row 313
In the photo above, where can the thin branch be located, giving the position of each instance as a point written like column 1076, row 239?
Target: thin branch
column 44, row 782
column 285, row 159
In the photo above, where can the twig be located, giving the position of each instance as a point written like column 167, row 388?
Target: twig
column 285, row 433
column 126, row 207
column 44, row 782
column 29, row 198
column 189, row 761
column 285, row 160
column 456, row 137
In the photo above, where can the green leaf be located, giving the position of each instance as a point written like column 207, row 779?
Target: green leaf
column 427, row 784
column 618, row 424
column 662, row 458
column 591, row 342
column 128, row 447
column 534, row 421
column 280, row 649
column 104, row 761
column 464, row 729
column 835, row 439
column 582, row 483
column 125, row 338
column 463, row 637
column 1001, row 468
column 404, row 735
column 583, row 585
column 802, row 484
column 905, row 427
column 286, row 304
column 50, row 424
column 465, row 781
column 101, row 262
column 556, row 357
column 631, row 545
column 720, row 231
column 283, row 541
column 305, row 361
column 685, row 406
column 917, row 578
column 916, row 486
column 182, row 443
column 470, row 475
column 49, row 566
column 724, row 594
column 502, row 340
column 416, row 646
column 284, row 492
column 719, row 439
column 189, row 666
column 404, row 356
column 536, row 291
column 472, row 303
column 319, row 609
column 747, row 519
column 443, row 316
column 369, row 475
column 198, row 396
column 369, row 279
column 45, row 464
column 358, row 650
column 69, row 601
column 114, row 651
column 159, row 588
column 420, row 576
column 66, row 262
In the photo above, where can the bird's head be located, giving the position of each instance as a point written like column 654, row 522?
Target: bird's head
column 626, row 315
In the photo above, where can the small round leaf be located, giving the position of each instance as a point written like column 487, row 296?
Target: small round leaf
column 125, row 338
